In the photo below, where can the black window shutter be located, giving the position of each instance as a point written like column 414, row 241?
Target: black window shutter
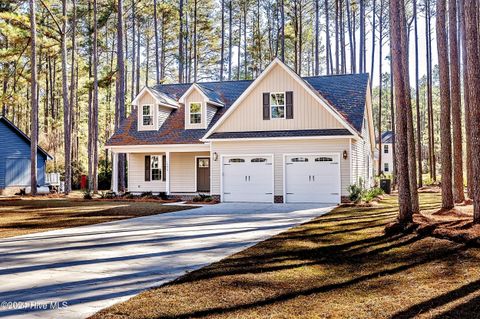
column 147, row 168
column 266, row 106
column 289, row 104
column 164, row 168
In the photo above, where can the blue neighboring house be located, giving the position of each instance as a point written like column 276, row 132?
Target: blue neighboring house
column 15, row 158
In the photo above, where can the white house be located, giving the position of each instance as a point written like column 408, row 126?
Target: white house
column 387, row 152
column 278, row 138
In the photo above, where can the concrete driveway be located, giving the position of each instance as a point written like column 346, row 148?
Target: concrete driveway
column 73, row 273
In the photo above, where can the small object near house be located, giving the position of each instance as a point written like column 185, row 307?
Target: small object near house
column 386, row 185
column 15, row 159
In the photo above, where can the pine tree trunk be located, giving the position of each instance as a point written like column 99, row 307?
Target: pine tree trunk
column 350, row 39
column 401, row 132
column 445, row 133
column 317, row 31
column 195, row 56
column 282, row 28
column 380, row 151
column 134, row 51
column 73, row 91
column 66, row 108
column 473, row 72
column 417, row 97
column 33, row 100
column 222, row 46
column 180, row 44
column 95, row 98
column 230, row 39
column 327, row 39
column 155, row 26
column 374, row 27
column 120, row 89
column 137, row 72
column 456, row 99
column 362, row 65
column 412, row 162
column 468, row 148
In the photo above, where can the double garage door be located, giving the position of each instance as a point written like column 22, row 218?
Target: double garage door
column 308, row 178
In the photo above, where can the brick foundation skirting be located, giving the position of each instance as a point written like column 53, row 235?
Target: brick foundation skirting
column 345, row 199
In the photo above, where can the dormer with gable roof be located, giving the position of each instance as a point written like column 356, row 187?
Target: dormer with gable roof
column 201, row 104
column 153, row 109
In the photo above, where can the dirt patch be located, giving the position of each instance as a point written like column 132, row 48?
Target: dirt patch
column 454, row 224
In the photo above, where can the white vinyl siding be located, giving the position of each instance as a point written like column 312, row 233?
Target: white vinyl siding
column 136, row 175
column 362, row 159
column 278, row 148
column 182, row 171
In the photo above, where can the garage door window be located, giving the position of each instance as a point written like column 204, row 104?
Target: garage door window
column 258, row 160
column 299, row 159
column 323, row 159
column 236, row 160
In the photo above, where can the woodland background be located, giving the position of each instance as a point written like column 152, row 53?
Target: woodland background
column 172, row 41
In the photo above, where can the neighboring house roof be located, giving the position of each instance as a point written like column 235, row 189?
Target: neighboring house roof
column 387, row 137
column 346, row 93
column 284, row 133
column 23, row 135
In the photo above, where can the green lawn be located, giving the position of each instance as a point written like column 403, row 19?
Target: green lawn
column 337, row 266
column 24, row 216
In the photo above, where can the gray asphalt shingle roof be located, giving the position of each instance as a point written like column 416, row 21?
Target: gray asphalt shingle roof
column 346, row 93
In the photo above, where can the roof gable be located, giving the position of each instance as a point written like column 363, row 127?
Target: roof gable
column 22, row 135
column 276, row 62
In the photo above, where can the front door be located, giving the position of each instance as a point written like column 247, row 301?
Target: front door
column 203, row 174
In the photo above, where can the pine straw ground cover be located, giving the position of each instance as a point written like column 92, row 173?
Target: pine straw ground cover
column 337, row 266
column 31, row 215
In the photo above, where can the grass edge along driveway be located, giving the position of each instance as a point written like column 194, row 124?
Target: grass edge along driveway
column 26, row 216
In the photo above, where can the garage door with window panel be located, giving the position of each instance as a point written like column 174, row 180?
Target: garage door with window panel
column 312, row 178
column 248, row 178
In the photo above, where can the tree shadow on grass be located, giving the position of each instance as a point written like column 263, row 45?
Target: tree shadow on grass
column 465, row 310
column 315, row 290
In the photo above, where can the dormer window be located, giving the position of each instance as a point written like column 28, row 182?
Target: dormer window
column 195, row 113
column 277, row 105
column 147, row 115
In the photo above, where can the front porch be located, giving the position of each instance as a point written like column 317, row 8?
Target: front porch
column 181, row 173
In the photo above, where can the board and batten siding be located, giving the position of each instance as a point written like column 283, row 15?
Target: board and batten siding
column 136, row 175
column 307, row 111
column 15, row 160
column 278, row 148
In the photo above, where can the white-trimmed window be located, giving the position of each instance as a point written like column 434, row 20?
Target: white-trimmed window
column 277, row 105
column 195, row 112
column 385, row 149
column 147, row 115
column 386, row 167
column 155, row 171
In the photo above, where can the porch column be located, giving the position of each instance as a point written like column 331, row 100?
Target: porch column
column 167, row 167
column 115, row 172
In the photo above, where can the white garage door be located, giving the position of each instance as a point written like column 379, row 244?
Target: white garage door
column 248, row 179
column 312, row 178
